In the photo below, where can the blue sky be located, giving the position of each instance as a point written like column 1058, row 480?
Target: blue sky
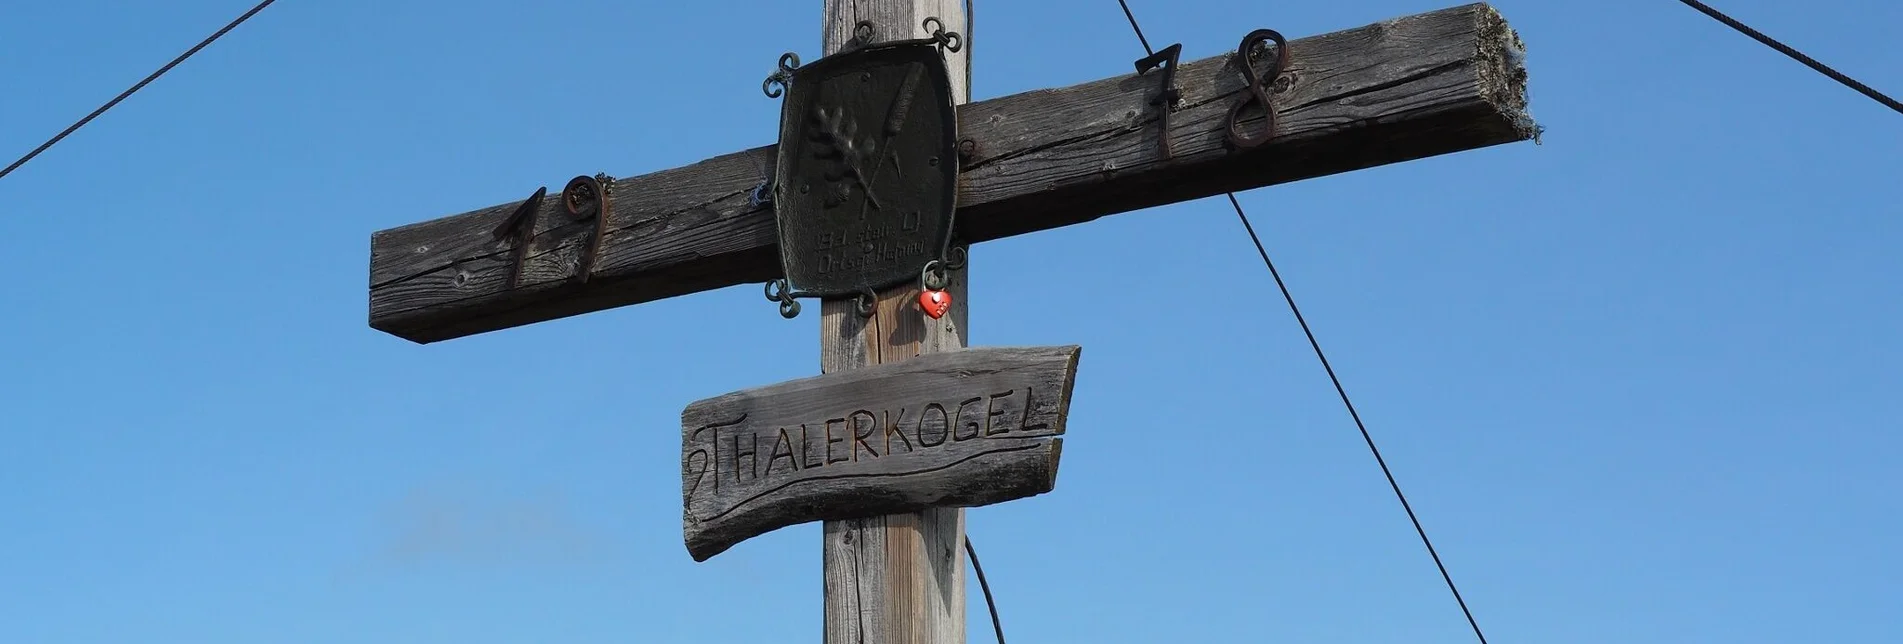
column 1639, row 381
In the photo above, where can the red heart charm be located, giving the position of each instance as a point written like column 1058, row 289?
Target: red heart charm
column 935, row 303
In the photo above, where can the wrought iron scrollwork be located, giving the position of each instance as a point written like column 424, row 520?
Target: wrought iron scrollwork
column 775, row 83
column 863, row 33
column 947, row 40
column 937, row 272
column 955, row 257
column 865, row 303
column 778, row 291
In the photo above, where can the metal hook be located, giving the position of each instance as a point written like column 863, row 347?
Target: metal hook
column 867, row 303
column 955, row 259
column 862, row 34
column 933, row 280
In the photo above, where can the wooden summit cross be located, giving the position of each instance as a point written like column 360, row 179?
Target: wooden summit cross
column 906, row 426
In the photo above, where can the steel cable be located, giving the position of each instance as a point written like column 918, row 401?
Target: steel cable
column 141, row 84
column 1369, row 438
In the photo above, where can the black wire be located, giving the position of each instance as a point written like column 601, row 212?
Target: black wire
column 970, row 23
column 1357, row 417
column 996, row 626
column 122, row 96
column 1135, row 28
column 1795, row 54
column 1343, row 392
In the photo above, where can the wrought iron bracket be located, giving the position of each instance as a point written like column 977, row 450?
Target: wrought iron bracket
column 934, row 276
column 862, row 35
column 947, row 40
column 865, row 303
column 776, row 83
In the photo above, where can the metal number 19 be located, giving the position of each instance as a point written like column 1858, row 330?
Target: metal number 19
column 1165, row 100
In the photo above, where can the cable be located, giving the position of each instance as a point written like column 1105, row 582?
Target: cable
column 996, row 626
column 970, row 25
column 1795, row 54
column 1358, row 424
column 1135, row 28
column 1343, row 392
column 122, row 96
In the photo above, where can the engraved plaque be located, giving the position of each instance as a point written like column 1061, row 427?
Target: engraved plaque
column 867, row 173
column 963, row 428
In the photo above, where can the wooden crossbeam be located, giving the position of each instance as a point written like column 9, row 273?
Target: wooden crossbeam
column 1404, row 89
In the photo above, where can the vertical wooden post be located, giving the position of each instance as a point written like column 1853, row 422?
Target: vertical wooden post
column 895, row 579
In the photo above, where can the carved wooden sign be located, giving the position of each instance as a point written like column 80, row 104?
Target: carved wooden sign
column 966, row 428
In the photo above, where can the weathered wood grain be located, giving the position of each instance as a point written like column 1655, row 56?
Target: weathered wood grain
column 964, row 428
column 1399, row 90
column 898, row 577
column 895, row 577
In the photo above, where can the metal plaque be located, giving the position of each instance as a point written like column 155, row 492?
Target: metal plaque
column 867, row 176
